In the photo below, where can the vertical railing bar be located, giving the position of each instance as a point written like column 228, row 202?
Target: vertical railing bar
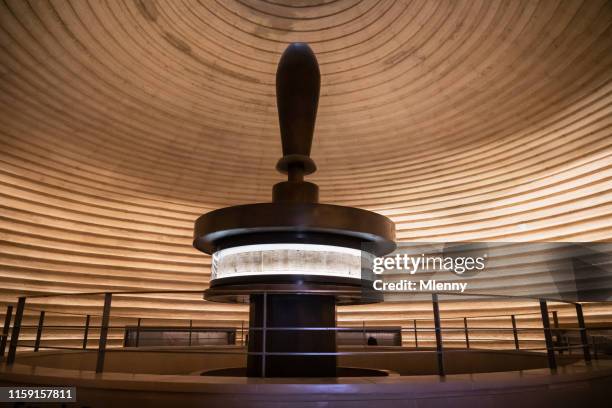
column 103, row 332
column 264, row 334
column 86, row 332
column 467, row 338
column 16, row 329
column 416, row 336
column 438, row 329
column 515, row 333
column 556, row 331
column 363, row 331
column 41, row 321
column 190, row 330
column 138, row 331
column 552, row 363
column 583, row 334
column 5, row 330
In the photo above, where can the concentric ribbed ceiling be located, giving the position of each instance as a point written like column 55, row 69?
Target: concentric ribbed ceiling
column 122, row 121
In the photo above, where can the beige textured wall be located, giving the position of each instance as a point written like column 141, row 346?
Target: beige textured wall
column 121, row 122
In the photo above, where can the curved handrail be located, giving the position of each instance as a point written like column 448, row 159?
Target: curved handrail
column 438, row 329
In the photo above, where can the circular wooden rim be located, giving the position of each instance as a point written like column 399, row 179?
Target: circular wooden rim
column 294, row 222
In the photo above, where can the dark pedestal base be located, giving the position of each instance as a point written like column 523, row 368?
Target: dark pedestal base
column 293, row 311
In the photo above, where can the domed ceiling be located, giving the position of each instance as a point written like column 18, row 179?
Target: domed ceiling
column 122, row 121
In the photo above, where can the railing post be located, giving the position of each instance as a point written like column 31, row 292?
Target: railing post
column 263, row 334
column 41, row 321
column 416, row 336
column 138, row 332
column 467, row 338
column 363, row 331
column 103, row 332
column 86, row 333
column 583, row 334
column 515, row 332
column 242, row 333
column 552, row 363
column 438, row 328
column 557, row 341
column 5, row 330
column 16, row 329
column 190, row 330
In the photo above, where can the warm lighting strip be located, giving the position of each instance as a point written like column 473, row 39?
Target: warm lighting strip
column 287, row 259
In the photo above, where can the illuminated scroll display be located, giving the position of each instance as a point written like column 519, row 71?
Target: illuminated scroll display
column 287, row 259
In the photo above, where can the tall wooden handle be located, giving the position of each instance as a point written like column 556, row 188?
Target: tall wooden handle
column 298, row 82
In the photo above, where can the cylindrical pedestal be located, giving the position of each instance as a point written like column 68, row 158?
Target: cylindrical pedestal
column 289, row 310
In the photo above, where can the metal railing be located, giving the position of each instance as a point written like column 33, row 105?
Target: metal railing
column 552, row 339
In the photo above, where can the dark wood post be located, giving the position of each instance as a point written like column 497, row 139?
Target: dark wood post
column 5, row 330
column 86, row 332
column 416, row 336
column 363, row 334
column 555, row 332
column 465, row 327
column 16, row 329
column 138, row 332
column 103, row 332
column 41, row 321
column 438, row 328
column 550, row 351
column 583, row 334
column 515, row 332
column 264, row 328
